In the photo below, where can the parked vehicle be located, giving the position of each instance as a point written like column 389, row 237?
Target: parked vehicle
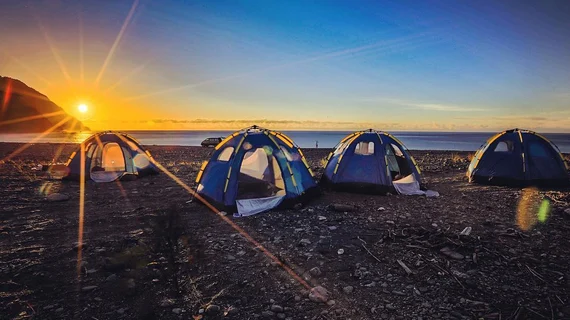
column 211, row 142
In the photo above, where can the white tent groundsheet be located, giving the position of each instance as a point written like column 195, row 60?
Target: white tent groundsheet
column 409, row 186
column 248, row 207
column 106, row 176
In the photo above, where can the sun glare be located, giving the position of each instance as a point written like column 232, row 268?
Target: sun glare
column 82, row 108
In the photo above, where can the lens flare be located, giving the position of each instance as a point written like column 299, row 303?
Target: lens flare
column 544, row 211
column 531, row 209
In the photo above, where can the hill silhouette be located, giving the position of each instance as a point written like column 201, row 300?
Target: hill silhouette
column 19, row 101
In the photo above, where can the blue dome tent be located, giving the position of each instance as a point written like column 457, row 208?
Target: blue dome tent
column 371, row 162
column 110, row 156
column 254, row 170
column 520, row 158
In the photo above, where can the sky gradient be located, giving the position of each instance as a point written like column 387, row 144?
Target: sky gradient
column 297, row 64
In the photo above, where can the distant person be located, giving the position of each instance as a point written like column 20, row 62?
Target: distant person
column 317, row 144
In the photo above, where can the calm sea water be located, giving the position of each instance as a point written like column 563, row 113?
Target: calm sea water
column 459, row 141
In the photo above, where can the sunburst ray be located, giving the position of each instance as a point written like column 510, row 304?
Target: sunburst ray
column 249, row 238
column 117, row 41
column 37, row 138
column 29, row 118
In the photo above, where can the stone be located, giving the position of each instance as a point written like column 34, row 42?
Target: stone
column 268, row 314
column 452, row 254
column 304, row 242
column 230, row 257
column 381, row 209
column 331, row 303
column 322, row 218
column 315, row 271
column 59, row 310
column 112, row 277
column 167, row 303
column 348, row 289
column 276, row 308
column 297, row 298
column 281, row 316
column 241, row 253
column 131, row 284
column 213, row 309
column 343, row 207
column 332, row 228
column 121, row 311
column 98, row 299
column 88, row 288
column 390, row 307
column 57, row 197
column 340, row 251
column 318, row 294
column 177, row 311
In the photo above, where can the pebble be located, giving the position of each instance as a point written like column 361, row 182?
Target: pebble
column 167, row 303
column 567, row 211
column 211, row 309
column 340, row 251
column 112, row 277
column 332, row 228
column 281, row 316
column 98, row 299
column 304, row 242
column 177, row 311
column 348, row 289
column 331, row 303
column 268, row 314
column 230, row 257
column 277, row 308
column 318, row 294
column 88, row 288
column 452, row 254
column 343, row 207
column 390, row 307
column 121, row 311
column 59, row 310
column 381, row 209
column 57, row 197
column 322, row 218
column 131, row 284
column 315, row 271
column 297, row 298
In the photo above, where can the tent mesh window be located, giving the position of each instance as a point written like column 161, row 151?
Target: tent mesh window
column 226, row 154
column 260, row 176
column 364, row 148
column 504, row 146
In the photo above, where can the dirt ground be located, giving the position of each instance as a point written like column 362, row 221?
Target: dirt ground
column 151, row 251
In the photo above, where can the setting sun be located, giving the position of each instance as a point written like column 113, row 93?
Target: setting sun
column 82, row 108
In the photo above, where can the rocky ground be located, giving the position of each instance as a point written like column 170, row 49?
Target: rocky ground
column 152, row 251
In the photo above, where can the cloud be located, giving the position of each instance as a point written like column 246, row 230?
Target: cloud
column 427, row 106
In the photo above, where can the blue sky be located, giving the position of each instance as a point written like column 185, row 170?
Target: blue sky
column 394, row 65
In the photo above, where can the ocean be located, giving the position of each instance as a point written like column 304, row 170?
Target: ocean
column 456, row 141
